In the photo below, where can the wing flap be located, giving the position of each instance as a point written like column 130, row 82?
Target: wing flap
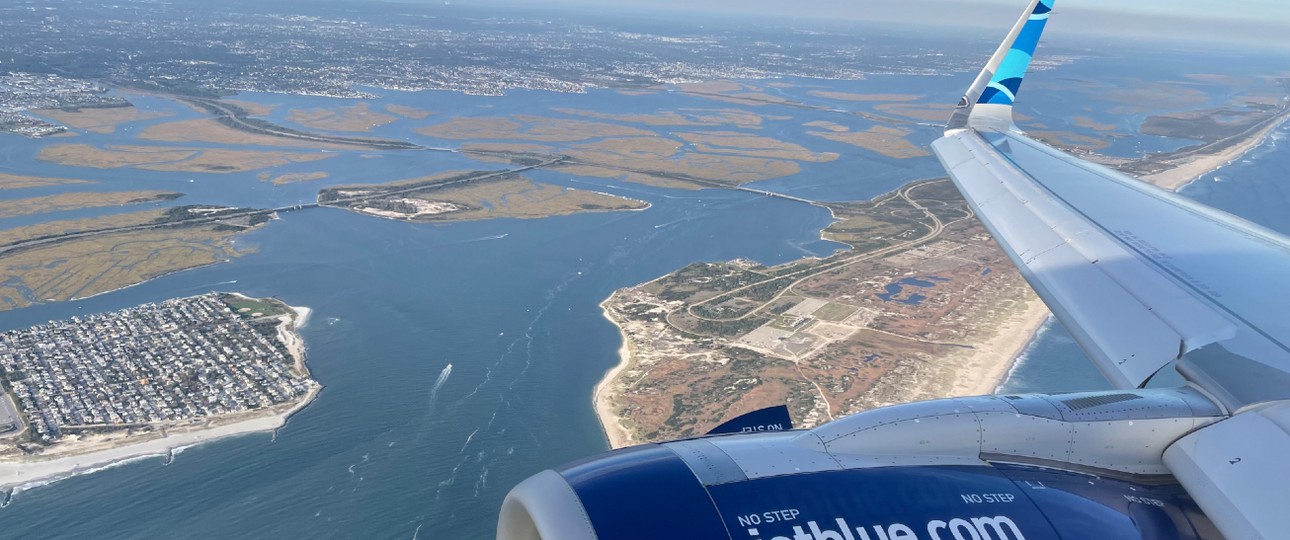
column 1235, row 468
column 1129, row 318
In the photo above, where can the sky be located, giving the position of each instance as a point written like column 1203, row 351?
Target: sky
column 1263, row 22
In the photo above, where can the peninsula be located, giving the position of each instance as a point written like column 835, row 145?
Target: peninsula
column 86, row 393
column 925, row 305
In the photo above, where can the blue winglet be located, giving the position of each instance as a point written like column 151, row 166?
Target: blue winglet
column 988, row 102
column 1006, row 81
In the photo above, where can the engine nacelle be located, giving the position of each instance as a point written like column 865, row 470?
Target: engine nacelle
column 989, row 468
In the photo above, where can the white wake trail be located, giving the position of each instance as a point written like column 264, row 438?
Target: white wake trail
column 438, row 383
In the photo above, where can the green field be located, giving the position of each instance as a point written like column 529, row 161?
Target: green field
column 248, row 307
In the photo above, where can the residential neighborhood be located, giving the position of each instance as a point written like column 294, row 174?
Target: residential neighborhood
column 167, row 362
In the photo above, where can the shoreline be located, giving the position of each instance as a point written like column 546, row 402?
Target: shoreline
column 1021, row 355
column 610, row 424
column 21, row 476
column 17, row 476
column 1020, row 330
column 124, row 287
column 1191, row 168
column 293, row 340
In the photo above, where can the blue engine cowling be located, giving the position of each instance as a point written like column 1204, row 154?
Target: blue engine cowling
column 908, row 476
column 649, row 493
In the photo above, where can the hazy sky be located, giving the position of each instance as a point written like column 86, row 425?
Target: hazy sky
column 1256, row 21
column 1253, row 10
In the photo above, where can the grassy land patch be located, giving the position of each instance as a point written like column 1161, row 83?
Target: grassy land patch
column 165, row 158
column 15, row 181
column 79, row 200
column 358, row 117
column 84, row 267
column 252, row 307
column 100, row 119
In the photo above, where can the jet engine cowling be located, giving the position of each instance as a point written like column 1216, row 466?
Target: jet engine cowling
column 916, row 479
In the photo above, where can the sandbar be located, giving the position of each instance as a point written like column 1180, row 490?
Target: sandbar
column 888, row 141
column 485, row 197
column 91, row 265
column 852, row 96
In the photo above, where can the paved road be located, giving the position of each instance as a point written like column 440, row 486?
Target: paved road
column 10, row 421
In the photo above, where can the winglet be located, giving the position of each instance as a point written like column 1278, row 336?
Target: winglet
column 988, row 102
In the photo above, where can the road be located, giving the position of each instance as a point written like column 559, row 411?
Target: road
column 11, row 424
column 242, row 213
column 236, row 119
column 807, row 273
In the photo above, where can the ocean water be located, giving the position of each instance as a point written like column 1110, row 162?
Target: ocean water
column 399, row 446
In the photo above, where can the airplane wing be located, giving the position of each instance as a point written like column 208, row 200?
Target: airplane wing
column 1141, row 278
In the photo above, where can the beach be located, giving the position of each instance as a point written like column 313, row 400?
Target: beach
column 609, row 421
column 988, row 365
column 1187, row 169
column 37, row 472
column 295, row 344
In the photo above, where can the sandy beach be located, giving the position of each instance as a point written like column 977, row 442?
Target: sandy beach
column 988, row 365
column 302, row 316
column 1188, row 169
column 614, row 432
column 296, row 344
column 38, row 472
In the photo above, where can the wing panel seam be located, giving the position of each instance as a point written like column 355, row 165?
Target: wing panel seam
column 1174, row 277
